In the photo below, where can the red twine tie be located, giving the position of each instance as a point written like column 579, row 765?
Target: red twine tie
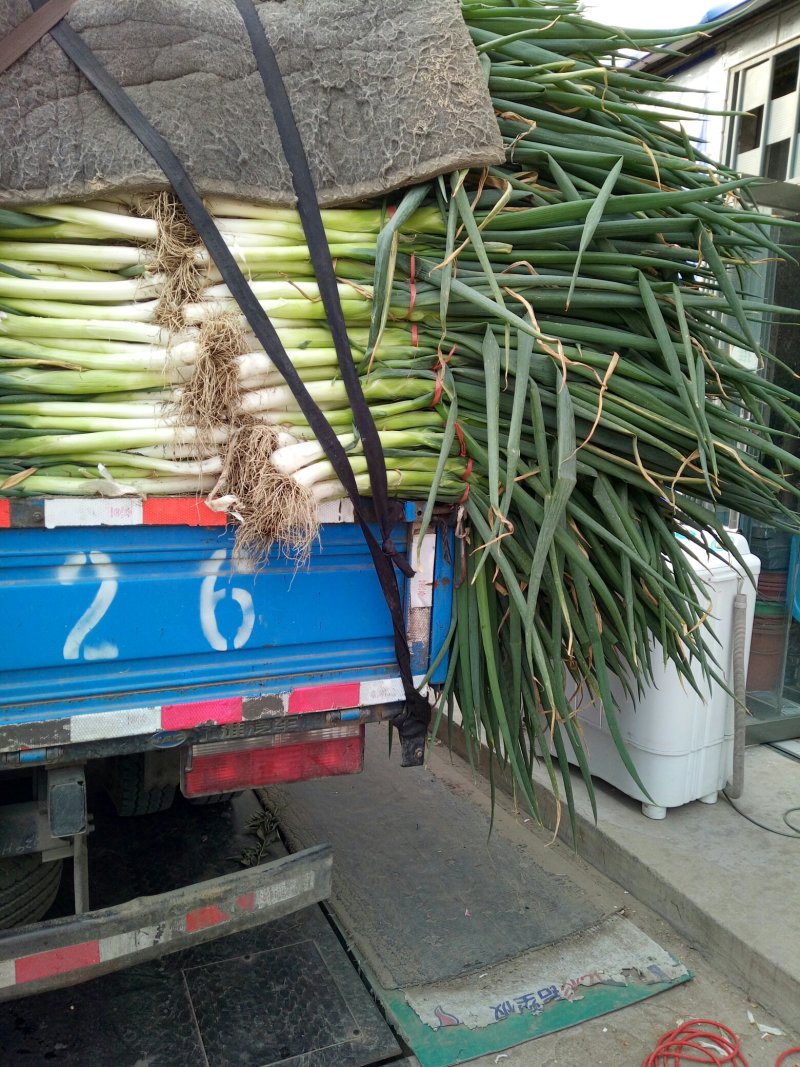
column 441, row 363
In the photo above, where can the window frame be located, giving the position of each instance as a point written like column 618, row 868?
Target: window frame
column 734, row 94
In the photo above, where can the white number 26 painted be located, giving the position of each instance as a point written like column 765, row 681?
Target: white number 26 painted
column 76, row 643
column 210, row 597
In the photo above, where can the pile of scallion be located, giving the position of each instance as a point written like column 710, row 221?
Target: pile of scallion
column 127, row 369
column 554, row 344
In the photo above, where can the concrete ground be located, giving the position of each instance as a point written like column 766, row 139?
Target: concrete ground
column 726, row 888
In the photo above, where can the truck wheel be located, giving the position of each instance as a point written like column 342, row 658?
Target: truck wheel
column 129, row 793
column 214, row 798
column 28, row 888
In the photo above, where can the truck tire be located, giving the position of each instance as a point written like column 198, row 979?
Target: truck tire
column 129, row 794
column 28, row 888
column 214, row 798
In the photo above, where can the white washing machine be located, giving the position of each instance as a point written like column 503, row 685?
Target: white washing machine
column 681, row 743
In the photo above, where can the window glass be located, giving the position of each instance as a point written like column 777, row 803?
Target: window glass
column 777, row 160
column 750, row 130
column 784, row 75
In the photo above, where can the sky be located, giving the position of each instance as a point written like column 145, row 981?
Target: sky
column 640, row 13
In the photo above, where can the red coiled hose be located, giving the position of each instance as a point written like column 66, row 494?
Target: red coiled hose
column 703, row 1041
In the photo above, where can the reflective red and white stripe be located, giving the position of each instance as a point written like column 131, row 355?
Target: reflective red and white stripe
column 132, row 722
column 85, row 954
column 420, row 594
column 153, row 926
column 57, row 512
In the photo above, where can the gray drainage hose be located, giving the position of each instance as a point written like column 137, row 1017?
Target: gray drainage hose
column 735, row 786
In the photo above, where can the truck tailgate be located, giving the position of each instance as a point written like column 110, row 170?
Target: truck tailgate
column 130, row 624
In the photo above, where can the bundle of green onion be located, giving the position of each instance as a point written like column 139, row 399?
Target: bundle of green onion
column 555, row 343
column 134, row 372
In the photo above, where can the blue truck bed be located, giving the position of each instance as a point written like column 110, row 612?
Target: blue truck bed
column 111, row 629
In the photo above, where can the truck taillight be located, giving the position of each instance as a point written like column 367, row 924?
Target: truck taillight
column 227, row 766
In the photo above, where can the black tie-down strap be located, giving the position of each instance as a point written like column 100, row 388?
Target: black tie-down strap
column 35, row 26
column 413, row 721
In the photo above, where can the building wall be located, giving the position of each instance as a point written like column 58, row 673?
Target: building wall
column 709, row 71
column 761, row 34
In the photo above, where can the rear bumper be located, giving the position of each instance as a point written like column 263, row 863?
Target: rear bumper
column 64, row 952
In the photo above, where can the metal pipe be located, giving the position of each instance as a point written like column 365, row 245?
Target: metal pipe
column 80, row 876
column 735, row 786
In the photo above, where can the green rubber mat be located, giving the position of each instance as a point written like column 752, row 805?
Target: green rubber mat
column 539, row 992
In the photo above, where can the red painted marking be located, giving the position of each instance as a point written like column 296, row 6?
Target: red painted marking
column 56, row 961
column 181, row 716
column 209, row 915
column 169, row 511
column 324, row 698
column 5, row 514
column 412, row 284
column 246, row 902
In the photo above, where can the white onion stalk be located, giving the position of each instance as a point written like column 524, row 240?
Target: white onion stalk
column 81, row 328
column 289, row 459
column 51, row 485
column 81, row 424
column 242, row 240
column 84, row 409
column 103, row 222
column 81, row 292
column 143, row 311
column 281, row 399
column 145, row 364
column 164, row 397
column 275, row 380
column 100, row 257
column 325, row 491
column 282, row 290
column 280, row 258
column 306, row 338
column 191, row 451
column 56, row 272
column 358, row 221
column 321, row 471
column 361, row 220
column 95, row 354
column 332, row 393
column 252, row 364
column 151, row 361
column 282, row 312
column 65, row 382
column 110, row 440
column 248, row 233
column 92, row 345
column 135, row 459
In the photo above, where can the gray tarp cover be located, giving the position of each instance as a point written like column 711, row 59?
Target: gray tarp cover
column 386, row 93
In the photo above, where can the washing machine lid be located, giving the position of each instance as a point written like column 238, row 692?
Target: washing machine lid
column 715, row 562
